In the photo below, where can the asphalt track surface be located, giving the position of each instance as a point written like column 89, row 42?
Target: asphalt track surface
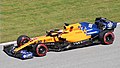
column 98, row 56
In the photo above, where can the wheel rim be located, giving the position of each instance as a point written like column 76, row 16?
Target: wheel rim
column 42, row 50
column 109, row 38
column 24, row 41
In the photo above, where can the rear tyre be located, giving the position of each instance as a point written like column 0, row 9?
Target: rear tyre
column 40, row 50
column 22, row 40
column 106, row 37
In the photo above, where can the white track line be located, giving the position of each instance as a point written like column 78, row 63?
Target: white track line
column 118, row 23
column 14, row 42
column 8, row 43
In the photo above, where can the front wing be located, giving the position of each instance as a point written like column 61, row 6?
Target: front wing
column 23, row 54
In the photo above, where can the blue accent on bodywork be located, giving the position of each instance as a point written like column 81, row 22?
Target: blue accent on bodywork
column 26, row 54
column 87, row 25
column 110, row 25
column 105, row 23
column 90, row 28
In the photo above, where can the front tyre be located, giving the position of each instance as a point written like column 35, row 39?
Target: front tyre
column 22, row 40
column 106, row 37
column 40, row 50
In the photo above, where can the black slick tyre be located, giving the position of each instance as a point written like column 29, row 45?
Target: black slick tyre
column 40, row 50
column 22, row 40
column 106, row 37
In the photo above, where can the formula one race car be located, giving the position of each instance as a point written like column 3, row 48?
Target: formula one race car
column 72, row 36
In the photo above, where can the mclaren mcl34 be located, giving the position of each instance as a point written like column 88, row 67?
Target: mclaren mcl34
column 72, row 36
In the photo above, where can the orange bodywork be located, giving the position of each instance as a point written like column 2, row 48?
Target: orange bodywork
column 71, row 33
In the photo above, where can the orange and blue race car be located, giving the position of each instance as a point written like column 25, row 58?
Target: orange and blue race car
column 72, row 36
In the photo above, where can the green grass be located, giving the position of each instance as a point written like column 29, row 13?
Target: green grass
column 34, row 17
